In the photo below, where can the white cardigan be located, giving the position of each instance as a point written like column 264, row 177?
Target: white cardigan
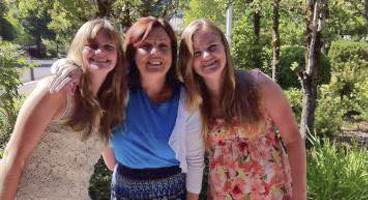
column 187, row 143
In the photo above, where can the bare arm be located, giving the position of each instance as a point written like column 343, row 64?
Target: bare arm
column 192, row 196
column 277, row 106
column 109, row 158
column 67, row 75
column 35, row 114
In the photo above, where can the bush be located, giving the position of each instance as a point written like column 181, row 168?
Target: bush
column 295, row 98
column 296, row 54
column 343, row 51
column 329, row 112
column 99, row 188
column 336, row 172
column 10, row 59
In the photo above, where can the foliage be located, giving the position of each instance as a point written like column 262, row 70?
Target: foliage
column 350, row 69
column 7, row 31
column 246, row 52
column 329, row 112
column 296, row 54
column 336, row 172
column 346, row 18
column 10, row 59
column 295, row 96
column 343, row 51
column 212, row 10
column 99, row 188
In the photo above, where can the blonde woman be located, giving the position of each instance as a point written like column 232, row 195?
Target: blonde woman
column 243, row 113
column 58, row 137
column 157, row 153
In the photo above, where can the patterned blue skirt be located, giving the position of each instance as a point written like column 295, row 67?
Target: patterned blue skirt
column 148, row 184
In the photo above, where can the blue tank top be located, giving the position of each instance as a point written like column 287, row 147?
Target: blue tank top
column 142, row 140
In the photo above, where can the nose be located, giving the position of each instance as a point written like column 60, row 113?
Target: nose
column 98, row 51
column 154, row 51
column 206, row 55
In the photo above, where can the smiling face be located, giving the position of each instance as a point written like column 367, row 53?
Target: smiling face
column 153, row 56
column 100, row 55
column 209, row 57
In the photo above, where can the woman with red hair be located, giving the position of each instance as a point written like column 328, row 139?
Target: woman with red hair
column 157, row 153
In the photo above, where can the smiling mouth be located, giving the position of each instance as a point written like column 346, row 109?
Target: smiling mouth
column 210, row 65
column 157, row 63
column 105, row 61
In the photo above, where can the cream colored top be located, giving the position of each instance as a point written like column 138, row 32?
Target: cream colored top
column 61, row 165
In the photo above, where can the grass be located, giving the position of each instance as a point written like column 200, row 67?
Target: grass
column 337, row 172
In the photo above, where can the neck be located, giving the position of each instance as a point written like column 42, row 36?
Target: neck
column 96, row 83
column 156, row 88
column 214, row 88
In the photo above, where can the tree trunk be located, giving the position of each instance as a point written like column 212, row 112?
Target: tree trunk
column 275, row 41
column 316, row 15
column 257, row 24
column 366, row 17
column 257, row 31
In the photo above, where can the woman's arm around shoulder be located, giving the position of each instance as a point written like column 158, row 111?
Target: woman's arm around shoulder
column 37, row 111
column 275, row 104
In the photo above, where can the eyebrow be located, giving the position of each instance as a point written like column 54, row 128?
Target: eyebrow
column 210, row 42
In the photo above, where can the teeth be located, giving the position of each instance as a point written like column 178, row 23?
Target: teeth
column 100, row 61
column 155, row 62
column 211, row 64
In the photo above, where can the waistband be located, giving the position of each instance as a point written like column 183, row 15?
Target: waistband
column 148, row 174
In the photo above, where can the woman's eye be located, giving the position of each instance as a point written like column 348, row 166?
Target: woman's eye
column 109, row 47
column 164, row 46
column 93, row 46
column 197, row 54
column 146, row 46
column 213, row 47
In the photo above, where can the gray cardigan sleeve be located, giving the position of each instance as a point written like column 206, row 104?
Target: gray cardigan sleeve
column 186, row 141
column 195, row 153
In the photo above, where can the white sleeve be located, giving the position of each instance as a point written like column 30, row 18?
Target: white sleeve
column 195, row 152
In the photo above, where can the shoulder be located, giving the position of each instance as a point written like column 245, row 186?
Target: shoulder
column 259, row 79
column 41, row 98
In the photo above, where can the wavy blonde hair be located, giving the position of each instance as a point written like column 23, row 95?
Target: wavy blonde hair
column 240, row 98
column 98, row 114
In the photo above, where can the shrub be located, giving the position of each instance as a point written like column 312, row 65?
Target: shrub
column 336, row 172
column 99, row 188
column 296, row 54
column 351, row 85
column 295, row 97
column 343, row 51
column 10, row 59
column 329, row 111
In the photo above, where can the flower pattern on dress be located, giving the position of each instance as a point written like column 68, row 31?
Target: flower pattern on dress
column 247, row 169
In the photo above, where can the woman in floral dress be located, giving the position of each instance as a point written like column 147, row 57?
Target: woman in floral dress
column 247, row 122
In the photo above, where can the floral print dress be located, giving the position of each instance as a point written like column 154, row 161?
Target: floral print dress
column 240, row 168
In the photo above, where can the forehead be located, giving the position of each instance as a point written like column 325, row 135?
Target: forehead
column 205, row 37
column 158, row 34
column 103, row 36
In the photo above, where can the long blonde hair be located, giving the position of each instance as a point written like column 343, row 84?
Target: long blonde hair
column 98, row 114
column 239, row 95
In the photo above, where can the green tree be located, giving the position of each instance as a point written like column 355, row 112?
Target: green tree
column 316, row 17
column 7, row 30
column 10, row 59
